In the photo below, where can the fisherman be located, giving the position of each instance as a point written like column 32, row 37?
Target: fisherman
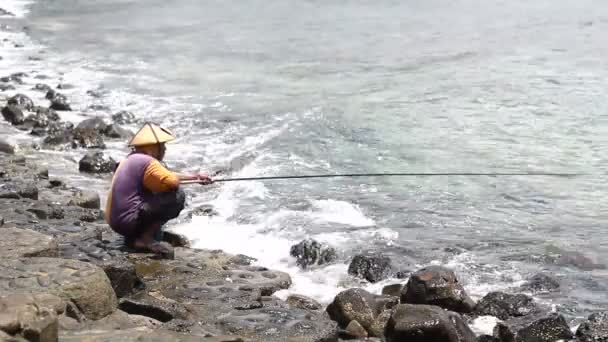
column 144, row 194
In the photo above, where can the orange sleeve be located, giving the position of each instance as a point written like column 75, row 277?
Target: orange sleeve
column 158, row 179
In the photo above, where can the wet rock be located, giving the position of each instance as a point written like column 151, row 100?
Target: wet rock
column 34, row 58
column 96, row 162
column 86, row 199
column 123, row 117
column 65, row 86
column 436, row 285
column 4, row 12
column 5, row 87
column 41, row 118
column 42, row 87
column 141, row 334
column 371, row 268
column 18, row 190
column 310, row 252
column 95, row 124
column 393, row 290
column 87, row 138
column 354, row 329
column 32, row 317
column 58, row 101
column 6, row 147
column 360, row 305
column 595, row 328
column 13, row 114
column 176, row 240
column 303, row 302
column 540, row 283
column 20, row 243
column 504, row 305
column 59, row 133
column 116, row 132
column 547, row 329
column 204, row 210
column 487, row 338
column 83, row 284
column 427, row 323
column 21, row 101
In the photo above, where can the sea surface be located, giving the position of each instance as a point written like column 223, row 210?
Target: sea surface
column 297, row 87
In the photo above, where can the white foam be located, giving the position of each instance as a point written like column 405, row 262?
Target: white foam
column 330, row 210
column 17, row 7
column 484, row 325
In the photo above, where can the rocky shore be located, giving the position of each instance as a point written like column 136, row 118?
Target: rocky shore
column 66, row 276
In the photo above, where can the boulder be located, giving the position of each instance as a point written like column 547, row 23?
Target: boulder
column 116, row 132
column 42, row 87
column 22, row 102
column 541, row 283
column 58, row 101
column 123, row 117
column 32, row 317
column 86, row 199
column 59, row 133
column 503, row 305
column 87, row 138
column 437, row 285
column 95, row 124
column 393, row 290
column 421, row 323
column 20, row 243
column 310, row 252
column 83, row 284
column 13, row 114
column 595, row 328
column 18, row 190
column 361, row 306
column 5, row 87
column 371, row 268
column 96, row 162
column 303, row 302
column 550, row 328
column 6, row 147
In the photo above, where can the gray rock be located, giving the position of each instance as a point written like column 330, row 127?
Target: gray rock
column 392, row 290
column 96, row 162
column 6, row 147
column 550, row 328
column 503, row 305
column 594, row 329
column 86, row 199
column 140, row 334
column 59, row 133
column 13, row 114
column 123, row 117
column 310, row 252
column 361, row 306
column 96, row 124
column 83, row 284
column 42, row 87
column 540, row 283
column 303, row 302
column 418, row 323
column 22, row 102
column 20, row 243
column 18, row 190
column 32, row 317
column 436, row 285
column 87, row 138
column 354, row 329
column 372, row 268
column 58, row 101
column 114, row 131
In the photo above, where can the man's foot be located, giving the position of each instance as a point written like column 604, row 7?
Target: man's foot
column 156, row 247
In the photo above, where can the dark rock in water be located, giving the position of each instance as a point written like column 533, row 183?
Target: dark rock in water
column 65, row 86
column 96, row 162
column 42, row 87
column 578, row 260
column 117, row 132
column 5, row 87
column 371, row 268
column 6, row 147
column 21, row 243
column 360, row 305
column 393, row 290
column 310, row 252
column 49, row 113
column 418, row 323
column 87, row 200
column 34, row 58
column 303, row 302
column 58, row 101
column 16, row 191
column 149, row 309
column 488, row 338
column 4, row 12
column 41, row 77
column 123, row 117
column 21, row 101
column 96, row 124
column 18, row 45
column 84, row 284
column 594, row 329
column 87, row 138
column 30, row 317
column 541, row 282
column 13, row 114
column 547, row 329
column 204, row 210
column 93, row 93
column 98, row 108
column 504, row 305
column 437, row 285
column 59, row 133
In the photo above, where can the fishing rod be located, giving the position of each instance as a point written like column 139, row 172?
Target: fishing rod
column 352, row 175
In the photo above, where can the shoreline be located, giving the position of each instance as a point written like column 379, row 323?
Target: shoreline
column 59, row 222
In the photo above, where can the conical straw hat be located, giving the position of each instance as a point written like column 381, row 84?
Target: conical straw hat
column 151, row 134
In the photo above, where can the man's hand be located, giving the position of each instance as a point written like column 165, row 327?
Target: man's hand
column 204, row 179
